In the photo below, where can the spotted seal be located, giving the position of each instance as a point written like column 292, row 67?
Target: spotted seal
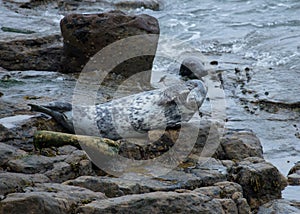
column 134, row 115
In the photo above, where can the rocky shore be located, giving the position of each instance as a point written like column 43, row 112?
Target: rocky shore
column 37, row 67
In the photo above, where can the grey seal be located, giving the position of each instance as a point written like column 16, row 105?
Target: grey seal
column 134, row 115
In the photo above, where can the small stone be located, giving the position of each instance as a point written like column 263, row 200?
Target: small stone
column 238, row 145
column 214, row 62
column 294, row 179
column 193, row 68
column 237, row 70
column 294, row 174
column 247, row 69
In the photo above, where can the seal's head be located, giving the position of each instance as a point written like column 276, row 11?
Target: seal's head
column 197, row 94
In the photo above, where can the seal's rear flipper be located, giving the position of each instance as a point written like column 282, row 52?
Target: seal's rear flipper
column 61, row 118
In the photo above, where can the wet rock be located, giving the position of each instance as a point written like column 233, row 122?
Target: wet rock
column 228, row 206
column 8, row 152
column 63, row 171
column 48, row 198
column 294, row 174
column 137, row 184
column 73, row 165
column 210, row 171
column 65, row 150
column 15, row 121
column 294, row 179
column 19, row 130
column 5, row 134
column 261, row 181
column 193, row 68
column 158, row 202
column 234, row 145
column 34, row 52
column 229, row 194
column 131, row 150
column 58, row 168
column 237, row 145
column 84, row 5
column 280, row 206
column 16, row 182
column 84, row 35
column 134, row 4
column 98, row 184
column 31, row 164
column 29, row 4
column 270, row 89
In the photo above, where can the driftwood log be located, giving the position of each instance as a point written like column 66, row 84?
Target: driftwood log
column 44, row 139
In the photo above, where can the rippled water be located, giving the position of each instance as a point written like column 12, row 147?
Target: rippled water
column 265, row 32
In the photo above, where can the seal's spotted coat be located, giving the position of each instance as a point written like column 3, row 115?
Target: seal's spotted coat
column 134, row 115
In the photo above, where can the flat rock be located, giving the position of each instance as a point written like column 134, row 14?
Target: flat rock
column 35, row 52
column 273, row 86
column 31, row 164
column 48, row 198
column 157, row 202
column 280, row 206
column 135, row 183
column 134, row 4
column 27, row 41
column 261, row 181
column 8, row 152
column 210, row 171
column 16, row 182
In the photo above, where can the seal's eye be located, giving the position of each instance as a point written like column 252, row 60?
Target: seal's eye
column 191, row 84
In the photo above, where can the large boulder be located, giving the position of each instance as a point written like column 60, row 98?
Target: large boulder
column 86, row 34
column 261, row 181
